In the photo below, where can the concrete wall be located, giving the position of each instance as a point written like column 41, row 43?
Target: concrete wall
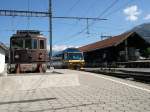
column 2, row 61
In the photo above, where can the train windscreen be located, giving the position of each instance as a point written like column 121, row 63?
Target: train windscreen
column 17, row 43
column 25, row 43
column 75, row 56
column 28, row 44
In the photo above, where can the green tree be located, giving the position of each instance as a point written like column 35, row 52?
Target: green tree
column 147, row 52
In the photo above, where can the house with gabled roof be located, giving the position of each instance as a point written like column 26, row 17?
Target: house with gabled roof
column 121, row 48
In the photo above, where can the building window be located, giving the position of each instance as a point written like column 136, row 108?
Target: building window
column 42, row 44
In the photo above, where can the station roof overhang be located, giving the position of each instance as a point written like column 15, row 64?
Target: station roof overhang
column 110, row 42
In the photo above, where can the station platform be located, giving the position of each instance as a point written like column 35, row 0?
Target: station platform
column 95, row 93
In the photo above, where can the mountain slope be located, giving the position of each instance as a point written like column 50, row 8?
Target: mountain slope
column 143, row 30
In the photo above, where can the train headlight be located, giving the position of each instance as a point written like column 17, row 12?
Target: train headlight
column 70, row 63
column 41, row 56
column 17, row 56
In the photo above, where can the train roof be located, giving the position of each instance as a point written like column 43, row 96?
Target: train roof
column 27, row 34
column 68, row 50
column 71, row 50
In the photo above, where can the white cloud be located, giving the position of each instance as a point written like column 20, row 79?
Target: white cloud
column 132, row 12
column 147, row 17
column 61, row 47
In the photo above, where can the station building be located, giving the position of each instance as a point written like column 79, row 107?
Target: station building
column 126, row 47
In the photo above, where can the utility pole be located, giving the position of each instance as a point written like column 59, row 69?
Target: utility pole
column 50, row 31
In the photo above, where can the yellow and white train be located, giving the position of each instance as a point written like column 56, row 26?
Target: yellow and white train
column 71, row 58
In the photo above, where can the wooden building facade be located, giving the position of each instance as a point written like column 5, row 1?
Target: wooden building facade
column 122, row 48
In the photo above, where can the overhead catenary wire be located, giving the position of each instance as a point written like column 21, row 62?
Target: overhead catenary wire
column 93, row 34
column 87, row 21
column 104, row 11
column 73, row 6
column 91, row 24
column 108, row 8
column 102, row 14
column 87, row 28
column 114, row 12
column 118, row 9
column 91, row 6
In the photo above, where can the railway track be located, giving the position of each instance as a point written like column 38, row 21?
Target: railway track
column 138, row 74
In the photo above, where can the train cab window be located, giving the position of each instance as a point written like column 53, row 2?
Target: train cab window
column 17, row 43
column 65, row 56
column 28, row 44
column 42, row 46
column 34, row 44
column 75, row 56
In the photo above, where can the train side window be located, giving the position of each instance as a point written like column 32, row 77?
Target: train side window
column 42, row 44
column 65, row 56
column 34, row 44
column 28, row 44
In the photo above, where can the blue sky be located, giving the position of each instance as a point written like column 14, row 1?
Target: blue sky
column 122, row 16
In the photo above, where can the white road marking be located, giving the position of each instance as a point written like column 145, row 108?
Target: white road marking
column 130, row 85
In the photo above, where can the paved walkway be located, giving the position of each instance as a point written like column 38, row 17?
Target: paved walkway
column 96, row 93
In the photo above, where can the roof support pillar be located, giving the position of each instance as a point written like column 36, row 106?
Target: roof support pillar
column 126, row 50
